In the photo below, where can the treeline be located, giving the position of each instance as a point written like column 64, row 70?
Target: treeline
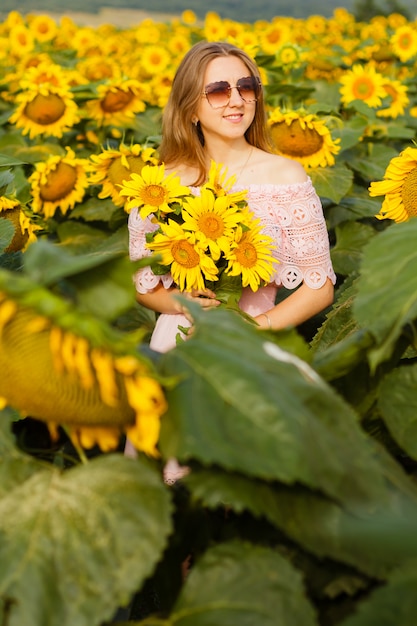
column 239, row 10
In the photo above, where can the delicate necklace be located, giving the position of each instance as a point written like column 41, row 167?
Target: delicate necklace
column 244, row 165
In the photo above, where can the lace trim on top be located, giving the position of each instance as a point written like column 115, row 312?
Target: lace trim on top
column 291, row 214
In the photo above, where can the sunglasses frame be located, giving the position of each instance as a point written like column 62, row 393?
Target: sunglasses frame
column 257, row 87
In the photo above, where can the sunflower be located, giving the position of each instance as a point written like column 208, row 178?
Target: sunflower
column 250, row 256
column 212, row 219
column 275, row 35
column 288, row 55
column 398, row 99
column 189, row 264
column 98, row 68
column 117, row 103
column 362, row 83
column 214, row 29
column 21, row 40
column 59, row 183
column 399, row 187
column 154, row 60
column 112, row 167
column 221, row 184
column 44, row 112
column 189, row 17
column 152, row 191
column 43, row 27
column 96, row 394
column 404, row 42
column 303, row 137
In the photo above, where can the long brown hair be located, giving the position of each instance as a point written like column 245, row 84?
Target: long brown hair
column 183, row 141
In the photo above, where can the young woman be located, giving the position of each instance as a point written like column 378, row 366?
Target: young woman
column 216, row 112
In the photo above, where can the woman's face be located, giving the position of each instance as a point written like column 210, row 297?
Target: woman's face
column 220, row 116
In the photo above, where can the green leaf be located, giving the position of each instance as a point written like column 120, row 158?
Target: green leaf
column 387, row 287
column 372, row 166
column 374, row 538
column 238, row 584
column 247, row 405
column 394, row 604
column 94, row 210
column 6, row 177
column 351, row 237
column 9, row 161
column 7, row 232
column 332, row 182
column 72, row 546
column 47, row 263
column 397, row 403
column 107, row 293
column 351, row 132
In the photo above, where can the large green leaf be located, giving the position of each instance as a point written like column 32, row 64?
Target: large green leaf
column 332, row 182
column 387, row 287
column 351, row 237
column 373, row 538
column 394, row 604
column 75, row 545
column 47, row 263
column 247, row 405
column 398, row 405
column 238, row 584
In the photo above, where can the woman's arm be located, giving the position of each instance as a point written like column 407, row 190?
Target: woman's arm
column 164, row 300
column 298, row 307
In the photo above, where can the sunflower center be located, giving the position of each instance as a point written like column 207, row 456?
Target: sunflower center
column 363, row 88
column 404, row 42
column 153, row 195
column 246, row 254
column 211, row 225
column 45, row 110
column 117, row 172
column 296, row 141
column 115, row 101
column 409, row 193
column 60, row 183
column 184, row 254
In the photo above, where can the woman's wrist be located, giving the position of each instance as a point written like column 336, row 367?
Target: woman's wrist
column 268, row 320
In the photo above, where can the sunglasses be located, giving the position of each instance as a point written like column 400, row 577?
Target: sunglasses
column 218, row 94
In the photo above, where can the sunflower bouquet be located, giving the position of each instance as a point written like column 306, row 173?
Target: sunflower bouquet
column 206, row 237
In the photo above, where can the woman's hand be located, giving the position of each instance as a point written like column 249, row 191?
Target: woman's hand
column 204, row 297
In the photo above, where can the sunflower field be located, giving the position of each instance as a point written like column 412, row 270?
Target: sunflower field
column 301, row 504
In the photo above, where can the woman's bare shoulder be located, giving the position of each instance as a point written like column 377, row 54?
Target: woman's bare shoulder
column 275, row 169
column 188, row 175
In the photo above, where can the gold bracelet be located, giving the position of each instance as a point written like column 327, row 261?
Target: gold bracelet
column 269, row 321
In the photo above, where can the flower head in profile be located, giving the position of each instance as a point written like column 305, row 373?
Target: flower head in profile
column 398, row 100
column 222, row 184
column 152, row 191
column 212, row 219
column 25, row 229
column 59, row 183
column 186, row 256
column 117, row 102
column 303, row 137
column 251, row 256
column 112, row 166
column 399, row 187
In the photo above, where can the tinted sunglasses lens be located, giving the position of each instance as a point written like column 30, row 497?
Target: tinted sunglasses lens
column 248, row 88
column 218, row 94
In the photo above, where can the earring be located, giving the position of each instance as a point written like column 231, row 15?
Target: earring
column 195, row 122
